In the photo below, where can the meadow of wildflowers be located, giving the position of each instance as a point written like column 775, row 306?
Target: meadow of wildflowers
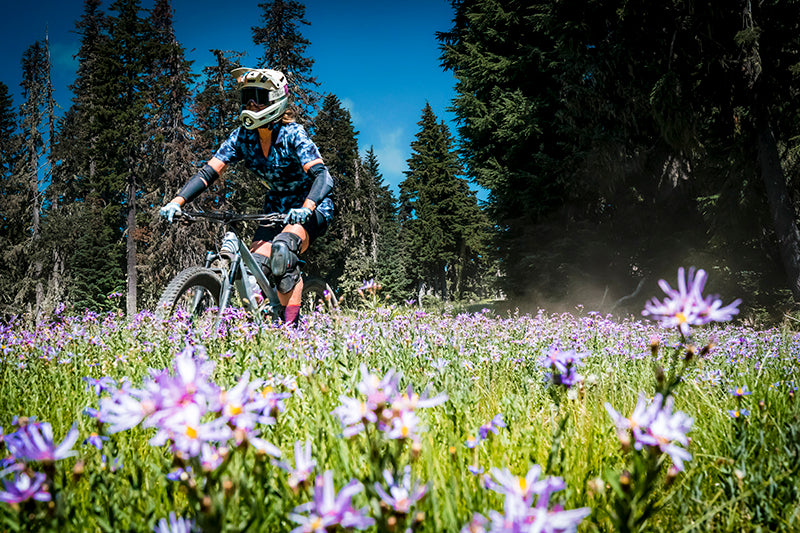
column 393, row 418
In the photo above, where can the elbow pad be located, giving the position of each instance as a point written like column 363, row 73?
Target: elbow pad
column 323, row 183
column 198, row 183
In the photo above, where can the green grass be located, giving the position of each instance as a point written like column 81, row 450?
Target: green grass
column 743, row 475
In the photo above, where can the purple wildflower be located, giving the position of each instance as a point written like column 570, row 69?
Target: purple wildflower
column 527, row 505
column 34, row 442
column 378, row 391
column 23, row 488
column 410, row 401
column 563, row 365
column 475, row 470
column 175, row 524
column 492, row 426
column 472, row 442
column 330, row 509
column 95, row 440
column 653, row 424
column 352, row 414
column 686, row 306
column 401, row 495
column 99, row 385
column 180, row 474
column 739, row 414
column 188, row 432
column 740, row 391
column 304, row 465
column 476, row 525
column 123, row 411
column 403, row 426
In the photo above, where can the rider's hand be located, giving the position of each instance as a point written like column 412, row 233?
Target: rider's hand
column 170, row 210
column 297, row 215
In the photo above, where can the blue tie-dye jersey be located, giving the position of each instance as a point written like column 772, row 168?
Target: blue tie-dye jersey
column 282, row 172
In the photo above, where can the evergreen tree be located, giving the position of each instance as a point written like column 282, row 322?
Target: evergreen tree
column 506, row 91
column 8, row 130
column 170, row 155
column 13, row 208
column 442, row 226
column 76, row 153
column 619, row 139
column 336, row 139
column 284, row 50
column 32, row 175
column 387, row 255
column 75, row 148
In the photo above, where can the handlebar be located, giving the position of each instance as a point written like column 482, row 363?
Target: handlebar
column 230, row 216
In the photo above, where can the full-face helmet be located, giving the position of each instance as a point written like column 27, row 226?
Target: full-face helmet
column 265, row 87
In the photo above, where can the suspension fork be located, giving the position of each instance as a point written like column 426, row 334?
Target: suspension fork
column 198, row 293
column 227, row 283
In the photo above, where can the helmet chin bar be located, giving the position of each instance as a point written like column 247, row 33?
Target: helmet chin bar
column 256, row 119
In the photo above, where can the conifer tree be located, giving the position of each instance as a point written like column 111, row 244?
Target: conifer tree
column 8, row 130
column 216, row 114
column 442, row 227
column 75, row 148
column 78, row 220
column 13, row 213
column 284, row 50
column 32, row 174
column 336, row 139
column 170, row 156
column 387, row 255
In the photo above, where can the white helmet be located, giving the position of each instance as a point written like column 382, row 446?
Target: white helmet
column 264, row 87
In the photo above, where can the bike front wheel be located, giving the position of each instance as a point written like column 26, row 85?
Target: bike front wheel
column 316, row 295
column 196, row 290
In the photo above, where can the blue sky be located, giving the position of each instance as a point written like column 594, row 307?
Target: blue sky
column 380, row 58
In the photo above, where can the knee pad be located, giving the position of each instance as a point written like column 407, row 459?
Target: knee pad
column 284, row 261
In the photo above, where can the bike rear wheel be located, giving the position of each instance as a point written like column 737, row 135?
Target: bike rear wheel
column 316, row 294
column 195, row 289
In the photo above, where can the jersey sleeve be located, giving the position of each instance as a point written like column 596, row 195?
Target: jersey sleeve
column 304, row 147
column 230, row 151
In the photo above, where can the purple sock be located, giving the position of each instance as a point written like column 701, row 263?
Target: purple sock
column 292, row 314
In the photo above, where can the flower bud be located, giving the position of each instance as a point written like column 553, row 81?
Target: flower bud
column 625, row 481
column 672, row 474
column 655, row 343
column 624, row 439
column 691, row 352
column 416, row 449
column 77, row 470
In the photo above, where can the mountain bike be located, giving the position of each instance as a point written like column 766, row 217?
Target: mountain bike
column 232, row 270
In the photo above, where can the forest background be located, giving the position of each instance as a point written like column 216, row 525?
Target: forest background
column 615, row 141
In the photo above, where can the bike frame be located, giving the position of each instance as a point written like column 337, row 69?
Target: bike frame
column 240, row 265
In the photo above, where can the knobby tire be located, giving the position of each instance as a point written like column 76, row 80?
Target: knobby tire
column 185, row 282
column 314, row 290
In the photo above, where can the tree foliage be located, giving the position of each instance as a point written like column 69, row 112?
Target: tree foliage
column 284, row 49
column 442, row 226
column 619, row 139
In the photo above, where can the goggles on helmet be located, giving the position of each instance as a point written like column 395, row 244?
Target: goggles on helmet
column 257, row 95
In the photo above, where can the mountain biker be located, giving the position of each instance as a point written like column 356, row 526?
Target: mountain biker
column 278, row 149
